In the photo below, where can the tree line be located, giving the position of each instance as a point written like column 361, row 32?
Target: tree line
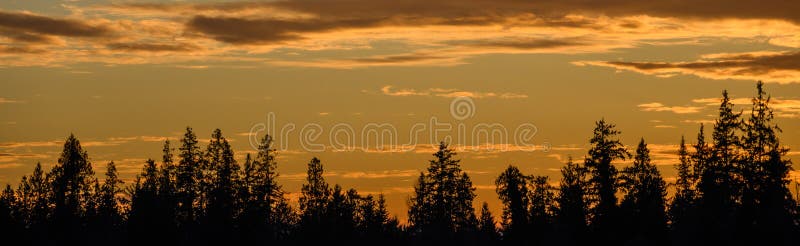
column 731, row 189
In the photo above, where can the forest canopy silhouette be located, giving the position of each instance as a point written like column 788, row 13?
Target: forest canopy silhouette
column 732, row 188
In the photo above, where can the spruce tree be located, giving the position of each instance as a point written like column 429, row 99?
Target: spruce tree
column 144, row 204
column 766, row 201
column 685, row 195
column 34, row 194
column 573, row 209
column 314, row 198
column 605, row 149
column 447, row 193
column 644, row 203
column 221, row 187
column 488, row 229
column 72, row 185
column 718, row 179
column 512, row 189
column 187, row 179
column 110, row 204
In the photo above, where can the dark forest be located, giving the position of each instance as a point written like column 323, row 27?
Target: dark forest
column 732, row 188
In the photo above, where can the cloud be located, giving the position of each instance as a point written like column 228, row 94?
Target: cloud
column 448, row 93
column 782, row 108
column 30, row 144
column 410, row 59
column 153, row 47
column 664, row 126
column 659, row 107
column 112, row 141
column 4, row 100
column 779, row 67
column 27, row 27
column 380, row 174
column 706, row 122
column 240, row 23
column 523, row 43
column 432, row 33
column 359, row 174
column 14, row 157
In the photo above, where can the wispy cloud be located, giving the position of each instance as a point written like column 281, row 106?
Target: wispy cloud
column 112, row 141
column 448, row 93
column 783, row 108
column 659, row 107
column 4, row 100
column 778, row 67
column 664, row 126
column 439, row 33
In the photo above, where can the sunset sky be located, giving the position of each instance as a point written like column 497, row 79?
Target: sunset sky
column 123, row 76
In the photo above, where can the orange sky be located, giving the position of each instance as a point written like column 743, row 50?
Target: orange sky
column 125, row 75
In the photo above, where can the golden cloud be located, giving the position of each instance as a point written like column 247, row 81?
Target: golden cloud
column 438, row 33
column 448, row 93
column 778, row 67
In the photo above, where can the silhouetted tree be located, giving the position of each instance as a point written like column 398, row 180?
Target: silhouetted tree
column 266, row 213
column 144, row 205
column 767, row 204
column 221, row 186
column 187, row 180
column 572, row 210
column 605, row 149
column 110, row 213
column 683, row 208
column 685, row 195
column 643, row 205
column 488, row 230
column 9, row 215
column 72, row 184
column 340, row 213
column 314, row 198
column 441, row 207
column 542, row 209
column 512, row 189
column 717, row 177
column 374, row 223
column 34, row 203
column 165, row 227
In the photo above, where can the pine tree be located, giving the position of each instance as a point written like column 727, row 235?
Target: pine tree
column 644, row 202
column 374, row 223
column 512, row 189
column 9, row 217
column 683, row 210
column 34, row 196
column 314, row 198
column 542, row 209
column 72, row 183
column 165, row 226
column 685, row 195
column 447, row 192
column 110, row 205
column 263, row 194
column 766, row 201
column 144, row 204
column 188, row 177
column 717, row 182
column 572, row 210
column 605, row 149
column 488, row 229
column 340, row 214
column 221, row 186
